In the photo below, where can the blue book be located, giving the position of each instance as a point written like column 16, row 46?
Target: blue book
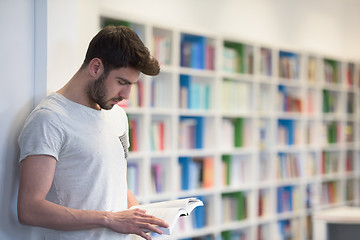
column 289, row 126
column 199, row 132
column 200, row 215
column 185, row 172
column 196, row 49
column 185, row 82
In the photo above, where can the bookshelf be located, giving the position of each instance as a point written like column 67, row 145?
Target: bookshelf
column 264, row 136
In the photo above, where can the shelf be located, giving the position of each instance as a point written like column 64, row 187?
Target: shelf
column 265, row 136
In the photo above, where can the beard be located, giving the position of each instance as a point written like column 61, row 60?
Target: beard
column 97, row 93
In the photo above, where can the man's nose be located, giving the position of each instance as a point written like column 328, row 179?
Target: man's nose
column 125, row 92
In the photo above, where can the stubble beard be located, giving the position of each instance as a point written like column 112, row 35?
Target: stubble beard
column 97, row 92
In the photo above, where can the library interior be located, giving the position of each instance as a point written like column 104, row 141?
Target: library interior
column 256, row 109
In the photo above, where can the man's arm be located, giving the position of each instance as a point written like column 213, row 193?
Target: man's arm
column 36, row 176
column 131, row 199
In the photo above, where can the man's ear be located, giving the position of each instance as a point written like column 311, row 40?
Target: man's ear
column 96, row 67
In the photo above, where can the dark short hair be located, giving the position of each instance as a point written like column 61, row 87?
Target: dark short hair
column 120, row 46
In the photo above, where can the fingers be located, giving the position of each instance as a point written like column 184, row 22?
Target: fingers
column 153, row 220
column 144, row 235
column 136, row 221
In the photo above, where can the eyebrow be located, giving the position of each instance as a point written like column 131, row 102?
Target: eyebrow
column 125, row 80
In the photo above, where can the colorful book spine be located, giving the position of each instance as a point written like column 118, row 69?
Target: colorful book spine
column 288, row 199
column 133, row 177
column 196, row 173
column 235, row 206
column 289, row 101
column 288, row 166
column 235, row 95
column 329, row 193
column 329, row 162
column 162, row 49
column 266, row 62
column 289, row 65
column 157, row 136
column 191, row 132
column 332, row 71
column 287, row 132
column 133, row 135
column 196, row 52
column 157, row 178
column 193, row 94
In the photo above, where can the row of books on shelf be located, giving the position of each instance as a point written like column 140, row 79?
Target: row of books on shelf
column 238, row 58
column 263, row 203
column 236, row 95
column 197, row 52
column 194, row 94
column 329, row 193
column 288, row 166
column 162, row 49
column 266, row 62
column 289, row 99
column 288, row 199
column 288, row 132
column 330, row 101
column 289, row 65
column 349, row 132
column 157, row 136
column 191, row 132
column 235, row 133
column 234, row 206
column 350, row 103
column 350, row 74
column 330, row 162
column 331, row 132
column 196, row 172
column 332, row 71
column 160, row 96
column 236, row 170
column 349, row 162
column 289, row 229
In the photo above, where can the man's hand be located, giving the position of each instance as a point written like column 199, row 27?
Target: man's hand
column 134, row 221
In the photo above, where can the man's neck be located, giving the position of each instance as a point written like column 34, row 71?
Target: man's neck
column 76, row 91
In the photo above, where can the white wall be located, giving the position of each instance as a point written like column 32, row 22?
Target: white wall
column 323, row 26
column 17, row 100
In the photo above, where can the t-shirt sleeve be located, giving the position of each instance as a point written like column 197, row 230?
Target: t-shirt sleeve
column 41, row 135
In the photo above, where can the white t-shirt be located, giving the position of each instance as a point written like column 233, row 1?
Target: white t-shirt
column 91, row 166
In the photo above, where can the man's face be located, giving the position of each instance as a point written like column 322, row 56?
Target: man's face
column 109, row 90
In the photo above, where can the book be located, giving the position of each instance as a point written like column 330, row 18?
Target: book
column 170, row 211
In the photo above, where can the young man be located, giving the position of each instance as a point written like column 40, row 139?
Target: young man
column 73, row 148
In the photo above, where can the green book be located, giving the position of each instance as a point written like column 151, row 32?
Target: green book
column 239, row 48
column 238, row 128
column 241, row 202
column 227, row 160
column 326, row 101
column 226, row 235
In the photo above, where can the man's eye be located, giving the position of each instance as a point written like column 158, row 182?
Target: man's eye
column 122, row 83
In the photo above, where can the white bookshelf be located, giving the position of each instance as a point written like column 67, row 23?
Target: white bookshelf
column 281, row 89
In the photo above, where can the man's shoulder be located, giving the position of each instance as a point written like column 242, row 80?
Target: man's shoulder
column 49, row 108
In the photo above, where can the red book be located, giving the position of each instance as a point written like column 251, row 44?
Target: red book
column 162, row 136
column 134, row 135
